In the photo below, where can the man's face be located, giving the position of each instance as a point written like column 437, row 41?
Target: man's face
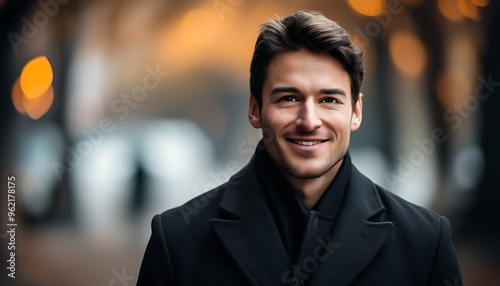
column 307, row 114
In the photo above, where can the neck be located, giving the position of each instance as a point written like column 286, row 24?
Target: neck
column 311, row 190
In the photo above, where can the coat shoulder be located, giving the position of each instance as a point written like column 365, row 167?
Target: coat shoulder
column 413, row 222
column 422, row 234
column 406, row 211
column 195, row 214
column 397, row 209
column 190, row 222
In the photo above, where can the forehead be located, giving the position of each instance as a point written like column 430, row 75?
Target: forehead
column 306, row 71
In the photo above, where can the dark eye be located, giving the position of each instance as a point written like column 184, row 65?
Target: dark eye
column 330, row 100
column 288, row 98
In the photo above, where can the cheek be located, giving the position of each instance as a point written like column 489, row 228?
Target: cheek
column 277, row 120
column 338, row 122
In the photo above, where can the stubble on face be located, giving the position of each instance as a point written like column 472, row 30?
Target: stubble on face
column 290, row 168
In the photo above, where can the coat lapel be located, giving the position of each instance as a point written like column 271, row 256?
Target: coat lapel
column 357, row 236
column 251, row 236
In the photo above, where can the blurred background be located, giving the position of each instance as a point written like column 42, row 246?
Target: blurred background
column 113, row 111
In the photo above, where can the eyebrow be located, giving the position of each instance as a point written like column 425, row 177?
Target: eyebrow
column 296, row 90
column 333, row 91
column 284, row 89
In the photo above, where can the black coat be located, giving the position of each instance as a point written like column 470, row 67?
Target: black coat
column 227, row 236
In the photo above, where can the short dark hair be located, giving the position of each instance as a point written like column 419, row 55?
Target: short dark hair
column 308, row 30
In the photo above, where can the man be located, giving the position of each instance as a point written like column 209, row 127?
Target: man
column 300, row 213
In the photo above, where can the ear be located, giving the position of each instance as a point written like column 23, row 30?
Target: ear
column 254, row 113
column 357, row 114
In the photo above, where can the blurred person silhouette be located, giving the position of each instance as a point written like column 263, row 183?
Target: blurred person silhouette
column 300, row 213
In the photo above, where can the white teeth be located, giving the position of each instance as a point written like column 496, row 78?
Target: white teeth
column 307, row 143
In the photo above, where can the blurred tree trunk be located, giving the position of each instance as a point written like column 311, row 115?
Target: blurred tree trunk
column 484, row 217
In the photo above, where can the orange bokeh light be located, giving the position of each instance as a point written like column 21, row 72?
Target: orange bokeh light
column 449, row 9
column 452, row 88
column 408, row 53
column 368, row 7
column 36, row 77
column 32, row 92
column 38, row 106
column 191, row 39
column 480, row 3
column 198, row 27
column 17, row 97
column 469, row 10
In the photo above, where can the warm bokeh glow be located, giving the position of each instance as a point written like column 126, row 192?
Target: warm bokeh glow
column 241, row 47
column 198, row 27
column 456, row 82
column 38, row 106
column 407, row 53
column 190, row 41
column 367, row 7
column 201, row 38
column 480, row 3
column 449, row 9
column 36, row 77
column 32, row 92
column 452, row 88
column 469, row 10
column 17, row 97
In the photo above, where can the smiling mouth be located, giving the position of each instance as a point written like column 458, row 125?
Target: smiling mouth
column 307, row 143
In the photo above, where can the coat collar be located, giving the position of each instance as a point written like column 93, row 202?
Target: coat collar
column 252, row 238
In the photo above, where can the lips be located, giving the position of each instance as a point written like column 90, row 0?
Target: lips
column 307, row 142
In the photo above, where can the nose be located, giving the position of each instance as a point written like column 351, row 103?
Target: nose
column 308, row 117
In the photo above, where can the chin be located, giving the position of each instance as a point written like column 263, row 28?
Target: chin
column 299, row 171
